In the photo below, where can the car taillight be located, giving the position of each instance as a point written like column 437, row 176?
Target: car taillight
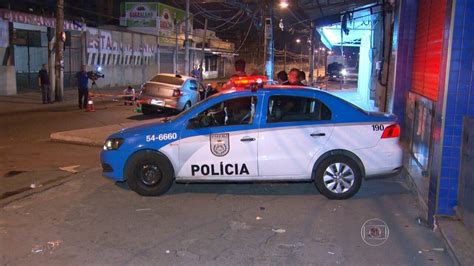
column 177, row 93
column 392, row 131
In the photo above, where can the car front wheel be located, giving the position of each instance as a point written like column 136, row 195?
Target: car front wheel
column 338, row 177
column 149, row 173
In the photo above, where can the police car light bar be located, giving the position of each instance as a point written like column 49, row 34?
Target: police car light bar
column 247, row 81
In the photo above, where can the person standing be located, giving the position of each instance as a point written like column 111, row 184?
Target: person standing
column 83, row 89
column 294, row 77
column 239, row 66
column 43, row 83
column 282, row 77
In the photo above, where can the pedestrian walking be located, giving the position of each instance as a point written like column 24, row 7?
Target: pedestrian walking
column 83, row 88
column 43, row 83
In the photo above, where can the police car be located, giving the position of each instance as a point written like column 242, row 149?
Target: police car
column 269, row 133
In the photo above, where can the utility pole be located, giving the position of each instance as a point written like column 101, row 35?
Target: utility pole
column 269, row 42
column 311, row 54
column 203, row 44
column 186, row 41
column 176, row 50
column 284, row 52
column 59, row 88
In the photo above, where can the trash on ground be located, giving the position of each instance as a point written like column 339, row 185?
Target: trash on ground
column 235, row 225
column 262, row 208
column 141, row 210
column 34, row 185
column 48, row 246
column 258, row 218
column 331, row 253
column 438, row 249
column 167, row 251
column 279, row 230
column 419, row 251
column 71, row 169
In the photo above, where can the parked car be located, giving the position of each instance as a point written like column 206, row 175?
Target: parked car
column 170, row 92
column 299, row 133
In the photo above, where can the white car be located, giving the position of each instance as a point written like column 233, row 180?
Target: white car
column 273, row 133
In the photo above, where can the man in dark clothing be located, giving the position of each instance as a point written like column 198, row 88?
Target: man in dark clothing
column 239, row 68
column 43, row 82
column 282, row 77
column 294, row 77
column 83, row 89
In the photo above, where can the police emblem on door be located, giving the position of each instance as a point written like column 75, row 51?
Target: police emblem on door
column 220, row 145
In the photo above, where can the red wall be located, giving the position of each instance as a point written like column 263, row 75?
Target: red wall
column 428, row 47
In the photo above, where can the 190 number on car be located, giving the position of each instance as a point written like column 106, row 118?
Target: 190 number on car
column 161, row 137
column 378, row 127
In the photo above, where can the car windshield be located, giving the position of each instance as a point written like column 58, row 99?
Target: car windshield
column 183, row 113
column 168, row 79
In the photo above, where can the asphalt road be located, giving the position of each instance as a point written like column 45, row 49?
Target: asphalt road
column 28, row 156
column 93, row 221
column 90, row 220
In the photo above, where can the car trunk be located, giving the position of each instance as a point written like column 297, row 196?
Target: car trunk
column 156, row 89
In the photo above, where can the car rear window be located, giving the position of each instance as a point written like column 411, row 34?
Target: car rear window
column 167, row 79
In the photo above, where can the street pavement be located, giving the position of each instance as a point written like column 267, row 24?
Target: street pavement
column 90, row 220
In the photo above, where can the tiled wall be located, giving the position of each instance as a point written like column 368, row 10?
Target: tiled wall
column 460, row 102
column 406, row 45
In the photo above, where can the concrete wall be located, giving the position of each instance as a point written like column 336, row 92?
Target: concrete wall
column 7, row 80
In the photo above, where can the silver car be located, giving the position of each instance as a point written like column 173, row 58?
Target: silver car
column 170, row 92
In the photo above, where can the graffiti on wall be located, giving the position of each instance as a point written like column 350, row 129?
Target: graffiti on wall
column 119, row 48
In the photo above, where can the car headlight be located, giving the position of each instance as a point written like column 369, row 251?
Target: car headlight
column 113, row 144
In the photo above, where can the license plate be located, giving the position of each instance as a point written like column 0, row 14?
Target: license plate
column 157, row 102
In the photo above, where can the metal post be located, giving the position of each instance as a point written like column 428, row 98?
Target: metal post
column 284, row 52
column 59, row 88
column 203, row 44
column 311, row 55
column 176, row 50
column 269, row 43
column 186, row 41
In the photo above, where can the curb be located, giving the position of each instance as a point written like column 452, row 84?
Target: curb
column 62, row 137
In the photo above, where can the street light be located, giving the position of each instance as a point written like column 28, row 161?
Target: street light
column 284, row 3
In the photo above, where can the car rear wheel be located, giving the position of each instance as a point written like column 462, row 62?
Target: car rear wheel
column 149, row 173
column 148, row 109
column 338, row 177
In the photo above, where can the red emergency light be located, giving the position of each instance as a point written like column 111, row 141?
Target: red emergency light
column 249, row 82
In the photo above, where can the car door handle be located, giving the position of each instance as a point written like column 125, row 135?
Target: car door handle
column 247, row 139
column 318, row 134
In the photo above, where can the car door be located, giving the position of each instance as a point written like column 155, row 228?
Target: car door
column 193, row 91
column 220, row 142
column 294, row 128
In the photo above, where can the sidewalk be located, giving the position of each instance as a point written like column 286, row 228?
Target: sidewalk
column 31, row 101
column 94, row 136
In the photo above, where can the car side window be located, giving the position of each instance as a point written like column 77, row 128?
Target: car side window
column 238, row 111
column 282, row 108
column 193, row 85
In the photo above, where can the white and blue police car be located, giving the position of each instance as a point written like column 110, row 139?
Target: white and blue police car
column 269, row 134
